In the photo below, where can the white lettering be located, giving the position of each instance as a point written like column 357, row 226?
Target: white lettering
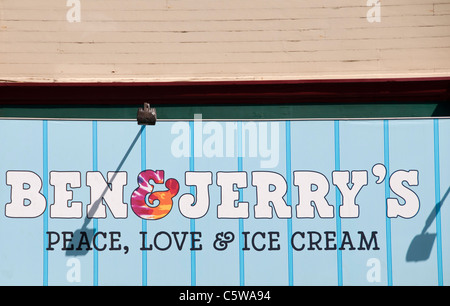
column 111, row 193
column 214, row 139
column 374, row 13
column 74, row 13
column 411, row 204
column 62, row 196
column 374, row 273
column 270, row 188
column 227, row 207
column 312, row 188
column 349, row 208
column 26, row 199
column 180, row 145
column 189, row 209
column 74, row 273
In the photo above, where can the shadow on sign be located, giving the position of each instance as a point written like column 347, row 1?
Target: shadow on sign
column 421, row 245
column 85, row 234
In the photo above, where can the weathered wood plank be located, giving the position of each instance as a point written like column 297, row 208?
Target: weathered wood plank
column 201, row 39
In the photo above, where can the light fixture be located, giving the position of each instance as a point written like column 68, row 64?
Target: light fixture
column 146, row 115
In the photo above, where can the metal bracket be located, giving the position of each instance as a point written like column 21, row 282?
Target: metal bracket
column 146, row 115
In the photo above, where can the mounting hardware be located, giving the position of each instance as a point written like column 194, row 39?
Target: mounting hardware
column 146, row 115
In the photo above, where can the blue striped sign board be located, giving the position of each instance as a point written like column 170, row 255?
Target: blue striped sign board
column 241, row 203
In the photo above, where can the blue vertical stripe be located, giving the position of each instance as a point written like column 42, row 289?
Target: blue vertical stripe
column 241, row 198
column 45, row 193
column 192, row 189
column 337, row 166
column 95, row 168
column 289, row 202
column 144, row 221
column 387, row 194
column 437, row 194
column 193, row 257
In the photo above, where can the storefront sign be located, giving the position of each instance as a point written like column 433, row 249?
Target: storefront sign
column 344, row 202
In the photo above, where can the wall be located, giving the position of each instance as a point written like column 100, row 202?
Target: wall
column 198, row 40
